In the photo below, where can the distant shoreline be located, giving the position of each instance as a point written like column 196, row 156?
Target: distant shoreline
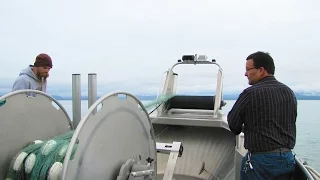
column 226, row 97
column 300, row 96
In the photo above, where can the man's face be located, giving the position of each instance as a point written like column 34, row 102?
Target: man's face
column 253, row 74
column 43, row 72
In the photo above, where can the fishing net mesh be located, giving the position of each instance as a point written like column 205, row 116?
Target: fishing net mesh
column 39, row 158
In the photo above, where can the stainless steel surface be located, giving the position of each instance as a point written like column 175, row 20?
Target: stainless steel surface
column 303, row 169
column 119, row 131
column 25, row 119
column 191, row 112
column 237, row 162
column 76, row 99
column 142, row 173
column 167, row 148
column 209, row 146
column 208, row 151
column 92, row 90
column 168, row 86
column 172, row 161
column 190, row 121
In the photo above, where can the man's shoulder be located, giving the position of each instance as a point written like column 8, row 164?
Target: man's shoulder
column 23, row 78
column 284, row 85
column 249, row 89
column 20, row 83
column 255, row 88
column 277, row 87
column 245, row 93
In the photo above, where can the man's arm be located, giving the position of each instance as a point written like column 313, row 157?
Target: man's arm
column 237, row 113
column 20, row 83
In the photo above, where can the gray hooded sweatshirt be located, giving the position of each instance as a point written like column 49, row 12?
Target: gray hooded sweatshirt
column 28, row 80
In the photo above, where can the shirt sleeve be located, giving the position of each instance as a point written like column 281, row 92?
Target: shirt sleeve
column 237, row 113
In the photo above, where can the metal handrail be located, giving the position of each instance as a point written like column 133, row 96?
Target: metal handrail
column 313, row 171
column 219, row 96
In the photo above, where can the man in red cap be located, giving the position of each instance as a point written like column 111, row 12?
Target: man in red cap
column 34, row 76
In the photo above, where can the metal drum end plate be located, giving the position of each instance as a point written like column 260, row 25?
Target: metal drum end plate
column 24, row 119
column 119, row 131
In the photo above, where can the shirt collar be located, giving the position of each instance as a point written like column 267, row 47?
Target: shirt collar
column 267, row 78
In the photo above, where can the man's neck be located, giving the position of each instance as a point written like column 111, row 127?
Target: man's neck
column 34, row 70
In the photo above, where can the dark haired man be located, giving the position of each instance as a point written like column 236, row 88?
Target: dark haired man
column 34, row 76
column 267, row 112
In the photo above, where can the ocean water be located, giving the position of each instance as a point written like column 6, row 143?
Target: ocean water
column 308, row 127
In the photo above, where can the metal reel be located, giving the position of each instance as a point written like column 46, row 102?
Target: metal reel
column 24, row 119
column 116, row 139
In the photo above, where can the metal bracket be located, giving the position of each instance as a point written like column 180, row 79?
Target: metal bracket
column 174, row 150
column 133, row 170
column 166, row 148
column 141, row 175
column 137, row 171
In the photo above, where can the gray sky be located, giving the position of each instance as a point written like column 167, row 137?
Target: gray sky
column 130, row 44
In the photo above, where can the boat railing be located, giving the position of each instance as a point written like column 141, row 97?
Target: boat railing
column 308, row 171
column 240, row 145
column 314, row 173
column 169, row 85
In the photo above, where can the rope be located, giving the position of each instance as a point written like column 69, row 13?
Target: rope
column 42, row 160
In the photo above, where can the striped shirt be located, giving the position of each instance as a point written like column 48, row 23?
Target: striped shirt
column 268, row 110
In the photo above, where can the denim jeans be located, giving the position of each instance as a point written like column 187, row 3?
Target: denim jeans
column 267, row 166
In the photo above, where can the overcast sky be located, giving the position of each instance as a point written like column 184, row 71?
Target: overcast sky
column 130, row 44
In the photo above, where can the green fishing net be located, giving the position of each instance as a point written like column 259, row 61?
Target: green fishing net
column 2, row 102
column 41, row 160
column 160, row 100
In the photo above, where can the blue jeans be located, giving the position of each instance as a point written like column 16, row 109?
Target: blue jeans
column 267, row 166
